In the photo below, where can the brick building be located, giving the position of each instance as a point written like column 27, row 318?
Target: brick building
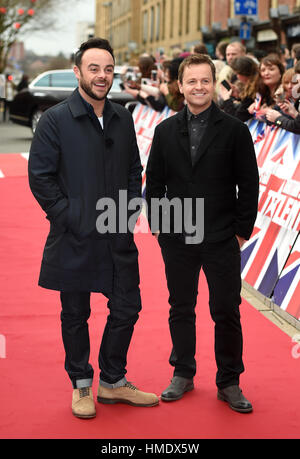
column 136, row 26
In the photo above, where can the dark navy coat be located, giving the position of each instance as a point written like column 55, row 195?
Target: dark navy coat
column 72, row 164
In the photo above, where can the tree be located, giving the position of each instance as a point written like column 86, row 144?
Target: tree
column 22, row 16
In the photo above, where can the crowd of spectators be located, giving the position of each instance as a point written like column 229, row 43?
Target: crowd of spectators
column 255, row 84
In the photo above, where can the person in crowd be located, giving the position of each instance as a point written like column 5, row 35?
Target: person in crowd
column 23, row 83
column 297, row 56
column 235, row 102
column 258, row 54
column 220, row 50
column 288, row 102
column 84, row 149
column 288, row 62
column 295, row 52
column 166, row 93
column 146, row 64
column 233, row 50
column 200, row 49
column 196, row 154
column 176, row 52
column 269, row 79
column 170, row 88
column 9, row 96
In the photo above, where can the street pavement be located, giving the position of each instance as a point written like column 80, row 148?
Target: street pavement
column 14, row 138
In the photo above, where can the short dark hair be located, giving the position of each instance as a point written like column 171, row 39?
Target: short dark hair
column 95, row 42
column 245, row 66
column 196, row 59
column 200, row 49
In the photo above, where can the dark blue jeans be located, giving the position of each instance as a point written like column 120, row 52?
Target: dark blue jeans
column 124, row 306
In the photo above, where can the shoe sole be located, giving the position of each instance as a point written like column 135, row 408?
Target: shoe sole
column 112, row 401
column 84, row 416
column 173, row 399
column 239, row 410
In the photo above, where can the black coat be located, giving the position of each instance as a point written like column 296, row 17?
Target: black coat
column 72, row 164
column 226, row 160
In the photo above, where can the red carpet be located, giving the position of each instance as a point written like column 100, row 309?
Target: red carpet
column 35, row 392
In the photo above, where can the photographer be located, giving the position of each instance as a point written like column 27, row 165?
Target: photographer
column 161, row 89
column 237, row 100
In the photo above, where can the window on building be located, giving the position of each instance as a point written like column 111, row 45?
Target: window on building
column 172, row 19
column 157, row 21
column 145, row 27
column 199, row 14
column 163, row 19
column 187, row 17
column 180, row 17
column 152, row 23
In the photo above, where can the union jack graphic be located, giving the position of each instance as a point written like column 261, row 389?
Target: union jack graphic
column 145, row 120
column 287, row 290
column 271, row 258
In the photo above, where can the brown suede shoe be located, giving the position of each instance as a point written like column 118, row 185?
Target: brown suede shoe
column 83, row 405
column 128, row 394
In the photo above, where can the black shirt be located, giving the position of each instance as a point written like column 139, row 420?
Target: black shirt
column 196, row 127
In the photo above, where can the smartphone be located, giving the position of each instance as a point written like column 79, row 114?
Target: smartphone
column 280, row 97
column 153, row 75
column 226, row 85
column 122, row 86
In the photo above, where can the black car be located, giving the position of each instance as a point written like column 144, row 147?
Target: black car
column 52, row 87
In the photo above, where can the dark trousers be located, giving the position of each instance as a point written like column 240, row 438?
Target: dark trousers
column 124, row 307
column 220, row 262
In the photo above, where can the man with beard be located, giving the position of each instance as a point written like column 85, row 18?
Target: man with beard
column 84, row 150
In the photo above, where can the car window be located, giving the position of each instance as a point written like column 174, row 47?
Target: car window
column 44, row 81
column 116, row 83
column 63, row 80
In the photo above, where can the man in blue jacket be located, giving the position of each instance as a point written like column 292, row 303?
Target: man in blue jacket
column 84, row 150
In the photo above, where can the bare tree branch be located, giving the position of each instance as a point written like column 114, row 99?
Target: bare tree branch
column 23, row 16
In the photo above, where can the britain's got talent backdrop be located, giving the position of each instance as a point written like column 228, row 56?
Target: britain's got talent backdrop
column 271, row 257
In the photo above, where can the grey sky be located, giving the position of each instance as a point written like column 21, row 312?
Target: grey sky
column 63, row 38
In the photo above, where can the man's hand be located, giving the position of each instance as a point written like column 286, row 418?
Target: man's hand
column 241, row 240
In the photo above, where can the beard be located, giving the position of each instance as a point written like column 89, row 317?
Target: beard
column 87, row 88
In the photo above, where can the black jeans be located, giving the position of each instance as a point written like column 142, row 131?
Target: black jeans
column 124, row 307
column 220, row 262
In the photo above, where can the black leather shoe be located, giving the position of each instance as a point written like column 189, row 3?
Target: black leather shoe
column 177, row 388
column 234, row 397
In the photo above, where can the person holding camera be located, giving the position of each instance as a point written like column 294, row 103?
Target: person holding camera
column 236, row 102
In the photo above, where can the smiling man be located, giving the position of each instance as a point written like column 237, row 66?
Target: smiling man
column 203, row 153
column 85, row 149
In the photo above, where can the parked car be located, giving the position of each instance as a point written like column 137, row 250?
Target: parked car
column 51, row 87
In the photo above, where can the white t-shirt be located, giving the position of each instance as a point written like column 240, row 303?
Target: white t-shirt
column 101, row 121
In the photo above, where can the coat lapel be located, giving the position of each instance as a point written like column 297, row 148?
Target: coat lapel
column 183, row 134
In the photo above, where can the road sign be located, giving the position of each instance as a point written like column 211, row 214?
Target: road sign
column 245, row 7
column 245, row 31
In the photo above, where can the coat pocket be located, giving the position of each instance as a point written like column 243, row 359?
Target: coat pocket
column 74, row 214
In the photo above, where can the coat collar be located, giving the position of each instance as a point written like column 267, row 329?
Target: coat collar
column 211, row 132
column 79, row 108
